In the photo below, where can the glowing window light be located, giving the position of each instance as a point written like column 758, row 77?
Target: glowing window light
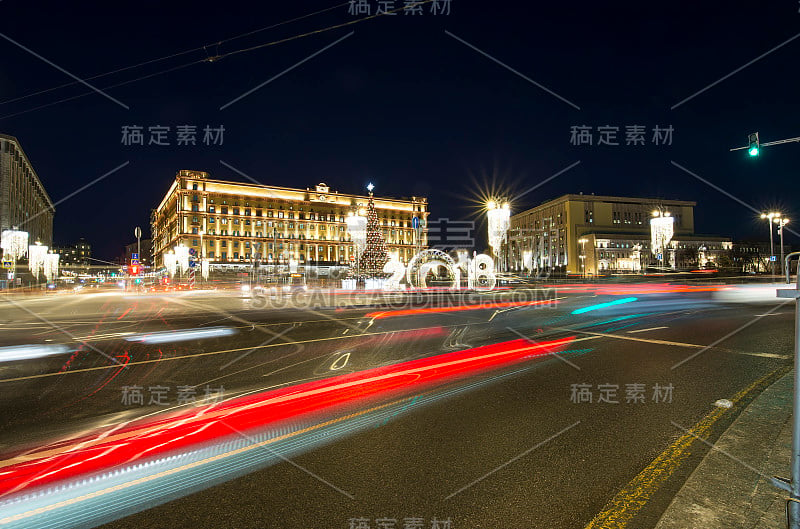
column 603, row 305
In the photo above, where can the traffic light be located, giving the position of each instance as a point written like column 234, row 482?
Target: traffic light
column 754, row 145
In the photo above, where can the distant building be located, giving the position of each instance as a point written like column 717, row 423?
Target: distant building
column 24, row 203
column 753, row 256
column 588, row 234
column 144, row 252
column 233, row 223
column 78, row 254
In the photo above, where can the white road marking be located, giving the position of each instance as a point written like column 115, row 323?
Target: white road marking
column 650, row 329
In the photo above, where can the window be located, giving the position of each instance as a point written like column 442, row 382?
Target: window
column 194, row 187
column 211, row 220
column 211, row 209
column 235, row 211
column 224, row 210
column 195, row 207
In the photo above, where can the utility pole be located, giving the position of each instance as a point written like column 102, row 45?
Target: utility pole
column 793, row 485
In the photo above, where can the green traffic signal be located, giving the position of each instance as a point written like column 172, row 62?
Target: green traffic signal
column 754, row 144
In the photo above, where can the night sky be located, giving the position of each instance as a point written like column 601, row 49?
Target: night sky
column 406, row 105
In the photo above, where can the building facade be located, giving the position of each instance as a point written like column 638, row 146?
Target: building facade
column 78, row 254
column 591, row 235
column 24, row 203
column 237, row 223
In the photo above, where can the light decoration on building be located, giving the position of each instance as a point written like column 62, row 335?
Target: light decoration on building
column 171, row 263
column 662, row 228
column 51, row 266
column 36, row 258
column 499, row 219
column 182, row 257
column 205, row 268
column 14, row 244
column 357, row 227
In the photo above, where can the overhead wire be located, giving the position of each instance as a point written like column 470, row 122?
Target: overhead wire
column 173, row 55
column 217, row 57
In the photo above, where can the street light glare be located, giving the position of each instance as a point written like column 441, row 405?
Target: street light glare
column 491, row 204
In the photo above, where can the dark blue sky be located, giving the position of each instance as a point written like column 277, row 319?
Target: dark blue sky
column 406, row 106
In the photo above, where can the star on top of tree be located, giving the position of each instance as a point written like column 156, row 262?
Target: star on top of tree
column 370, row 187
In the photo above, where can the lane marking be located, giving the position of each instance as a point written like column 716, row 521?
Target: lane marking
column 631, row 338
column 634, row 496
column 224, row 351
column 650, row 329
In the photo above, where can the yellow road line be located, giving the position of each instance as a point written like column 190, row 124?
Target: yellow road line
column 631, row 338
column 635, row 495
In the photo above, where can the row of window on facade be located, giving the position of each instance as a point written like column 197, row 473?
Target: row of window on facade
column 247, row 210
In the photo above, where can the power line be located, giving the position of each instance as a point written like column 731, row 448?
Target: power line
column 171, row 56
column 218, row 57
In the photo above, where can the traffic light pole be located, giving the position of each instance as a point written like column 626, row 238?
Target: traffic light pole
column 793, row 486
column 769, row 143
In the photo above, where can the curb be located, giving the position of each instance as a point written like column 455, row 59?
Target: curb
column 723, row 492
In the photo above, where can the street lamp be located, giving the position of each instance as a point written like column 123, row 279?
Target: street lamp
column 583, row 241
column 202, row 254
column 357, row 227
column 499, row 218
column 770, row 217
column 781, row 222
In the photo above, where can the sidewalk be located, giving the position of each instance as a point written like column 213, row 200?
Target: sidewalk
column 723, row 492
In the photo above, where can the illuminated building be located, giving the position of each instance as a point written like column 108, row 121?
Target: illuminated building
column 24, row 204
column 233, row 223
column 78, row 254
column 588, row 234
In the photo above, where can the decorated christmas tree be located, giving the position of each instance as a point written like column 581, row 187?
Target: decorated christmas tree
column 375, row 254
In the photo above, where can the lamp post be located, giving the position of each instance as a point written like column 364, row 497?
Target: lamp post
column 202, row 251
column 357, row 227
column 770, row 217
column 781, row 222
column 583, row 242
column 498, row 219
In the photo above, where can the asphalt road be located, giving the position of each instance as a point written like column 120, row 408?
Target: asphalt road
column 508, row 446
